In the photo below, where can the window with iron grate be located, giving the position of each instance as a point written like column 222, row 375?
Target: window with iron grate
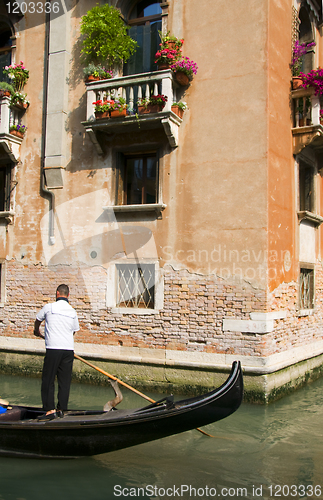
column 306, row 288
column 136, row 285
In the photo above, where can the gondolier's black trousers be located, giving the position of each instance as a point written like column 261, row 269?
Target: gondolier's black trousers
column 57, row 362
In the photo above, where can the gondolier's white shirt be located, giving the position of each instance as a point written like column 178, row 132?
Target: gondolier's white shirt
column 60, row 324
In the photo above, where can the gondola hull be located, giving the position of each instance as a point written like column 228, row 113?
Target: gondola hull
column 86, row 433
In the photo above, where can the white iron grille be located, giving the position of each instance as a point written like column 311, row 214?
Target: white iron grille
column 136, row 285
column 306, row 289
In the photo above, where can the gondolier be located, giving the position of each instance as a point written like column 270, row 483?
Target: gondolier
column 61, row 323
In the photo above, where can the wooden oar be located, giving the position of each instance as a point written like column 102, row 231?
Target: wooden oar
column 114, row 378
column 126, row 385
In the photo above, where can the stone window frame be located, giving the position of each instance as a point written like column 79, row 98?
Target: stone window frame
column 312, row 215
column 112, row 285
column 157, row 207
column 121, row 189
column 3, row 269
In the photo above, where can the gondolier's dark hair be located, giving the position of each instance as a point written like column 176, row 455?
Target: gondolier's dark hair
column 63, row 290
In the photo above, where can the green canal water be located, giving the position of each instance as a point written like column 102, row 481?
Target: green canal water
column 260, row 452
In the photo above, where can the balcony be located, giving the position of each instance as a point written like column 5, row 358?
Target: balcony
column 307, row 128
column 132, row 88
column 10, row 144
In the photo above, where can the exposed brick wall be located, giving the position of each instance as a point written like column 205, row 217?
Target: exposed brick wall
column 194, row 309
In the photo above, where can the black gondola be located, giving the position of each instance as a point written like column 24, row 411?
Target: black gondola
column 86, row 433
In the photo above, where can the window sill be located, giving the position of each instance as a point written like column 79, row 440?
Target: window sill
column 149, row 207
column 310, row 216
column 134, row 310
column 305, row 312
column 8, row 216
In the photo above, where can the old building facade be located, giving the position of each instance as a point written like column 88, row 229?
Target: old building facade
column 186, row 242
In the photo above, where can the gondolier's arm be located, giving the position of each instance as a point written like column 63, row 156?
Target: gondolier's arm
column 36, row 329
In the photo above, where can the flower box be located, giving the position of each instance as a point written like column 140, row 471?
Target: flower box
column 21, row 105
column 17, row 133
column 99, row 115
column 116, row 113
column 92, row 78
column 150, row 108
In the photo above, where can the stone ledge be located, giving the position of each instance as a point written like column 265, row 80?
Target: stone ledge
column 260, row 365
column 248, row 326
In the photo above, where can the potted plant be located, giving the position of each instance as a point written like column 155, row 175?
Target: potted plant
column 118, row 107
column 93, row 72
column 184, row 70
column 178, row 108
column 313, row 79
column 152, row 104
column 6, row 90
column 101, row 109
column 170, row 42
column 18, row 74
column 110, row 108
column 165, row 57
column 299, row 50
column 105, row 37
column 18, row 130
column 19, row 100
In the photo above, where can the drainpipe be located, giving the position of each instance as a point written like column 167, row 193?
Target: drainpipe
column 46, row 192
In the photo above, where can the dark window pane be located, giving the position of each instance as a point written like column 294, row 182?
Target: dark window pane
column 306, row 191
column 143, row 60
column 141, row 180
column 2, row 189
column 134, row 173
column 151, row 180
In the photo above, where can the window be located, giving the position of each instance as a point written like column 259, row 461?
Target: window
column 306, row 288
column 306, row 188
column 306, row 35
column 137, row 179
column 5, row 182
column 136, row 285
column 145, row 22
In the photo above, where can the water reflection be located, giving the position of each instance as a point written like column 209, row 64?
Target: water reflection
column 256, row 447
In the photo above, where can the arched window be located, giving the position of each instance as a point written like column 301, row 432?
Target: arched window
column 306, row 35
column 145, row 20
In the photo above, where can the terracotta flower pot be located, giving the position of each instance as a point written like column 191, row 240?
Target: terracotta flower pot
column 116, row 113
column 182, row 78
column 4, row 93
column 296, row 82
column 178, row 111
column 150, row 108
column 17, row 133
column 171, row 45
